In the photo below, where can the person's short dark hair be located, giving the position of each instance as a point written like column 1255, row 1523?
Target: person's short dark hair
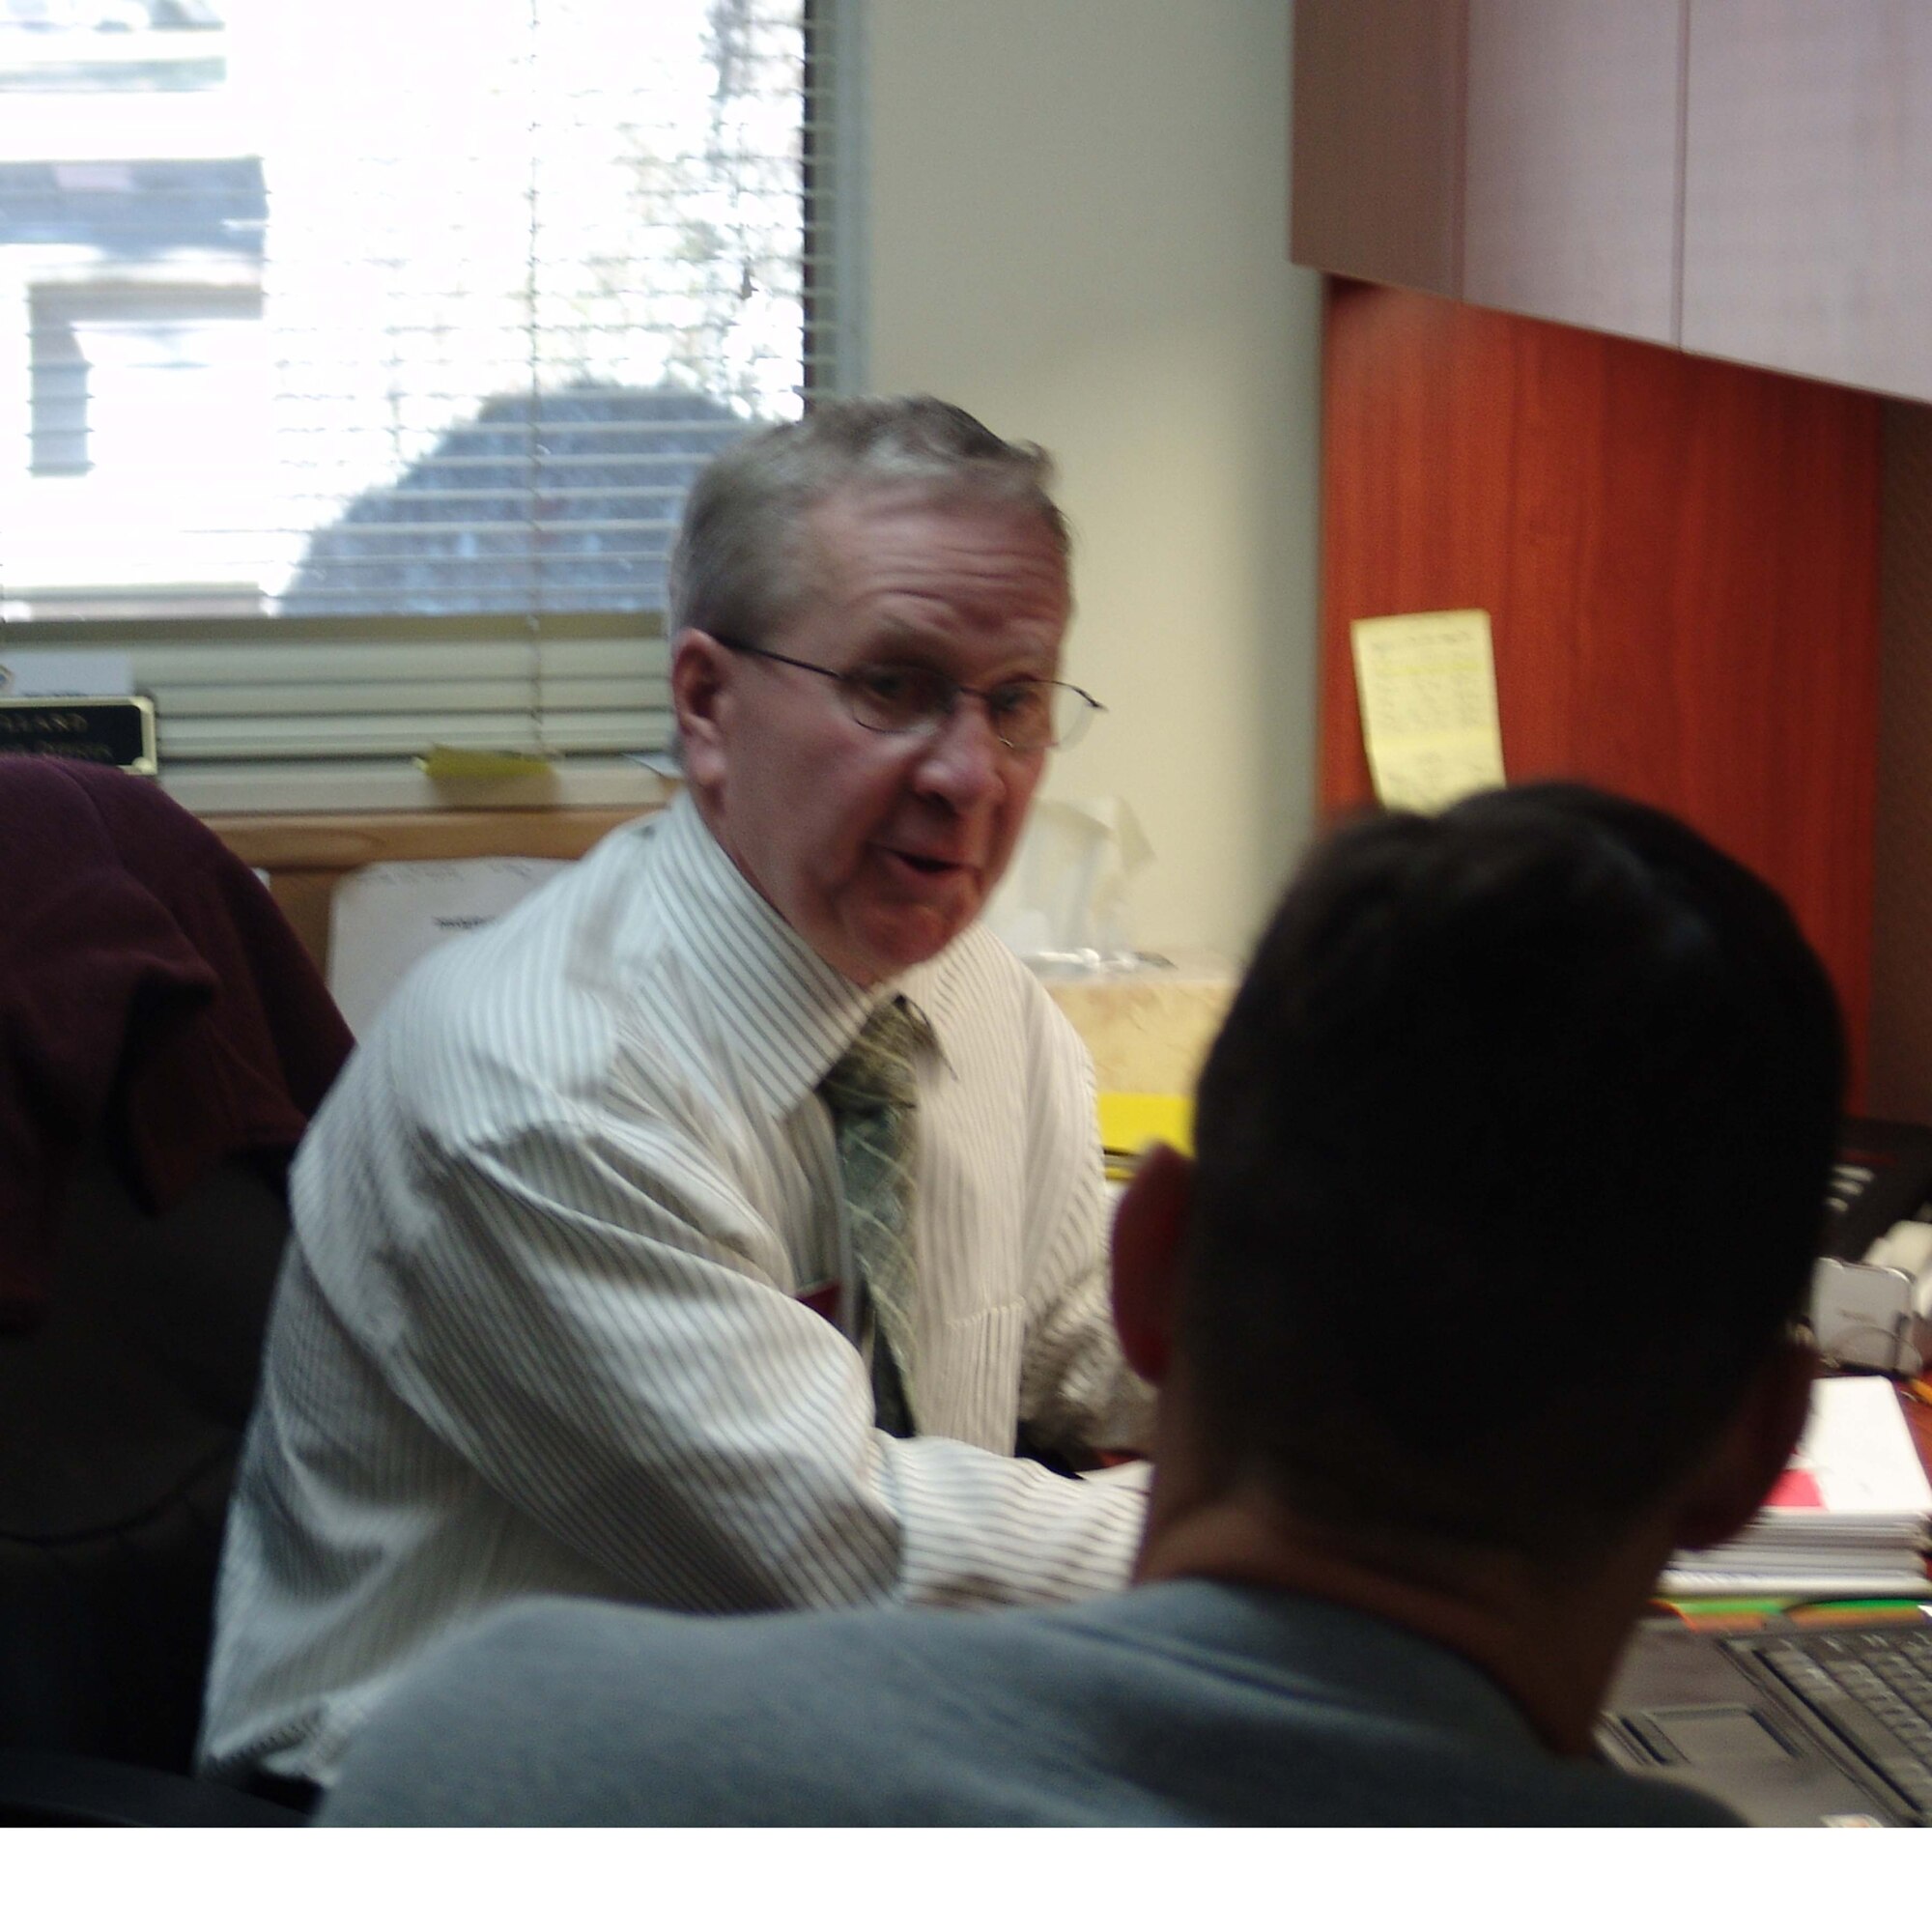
column 740, row 567
column 1511, row 1163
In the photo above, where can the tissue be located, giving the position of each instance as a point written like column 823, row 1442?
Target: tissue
column 1064, row 900
column 1063, row 907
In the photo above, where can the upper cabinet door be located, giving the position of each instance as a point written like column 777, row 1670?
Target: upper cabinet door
column 1807, row 238
column 1377, row 162
column 1573, row 162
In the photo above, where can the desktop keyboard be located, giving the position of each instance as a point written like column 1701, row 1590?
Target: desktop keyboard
column 1871, row 1688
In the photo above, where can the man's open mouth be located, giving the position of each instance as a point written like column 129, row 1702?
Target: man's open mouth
column 920, row 861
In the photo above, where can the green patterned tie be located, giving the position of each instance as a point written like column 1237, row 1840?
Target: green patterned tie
column 874, row 1102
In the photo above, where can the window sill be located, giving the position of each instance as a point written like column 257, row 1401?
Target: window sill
column 395, row 785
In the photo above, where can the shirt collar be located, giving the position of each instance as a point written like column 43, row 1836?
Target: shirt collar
column 1343, row 1654
column 788, row 1014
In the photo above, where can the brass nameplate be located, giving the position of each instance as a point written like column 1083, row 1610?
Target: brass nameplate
column 98, row 731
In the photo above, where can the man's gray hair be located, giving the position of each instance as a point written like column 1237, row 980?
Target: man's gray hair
column 741, row 567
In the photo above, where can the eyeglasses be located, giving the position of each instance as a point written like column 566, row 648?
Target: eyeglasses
column 1027, row 714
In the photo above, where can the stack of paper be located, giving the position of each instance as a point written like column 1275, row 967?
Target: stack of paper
column 1849, row 1517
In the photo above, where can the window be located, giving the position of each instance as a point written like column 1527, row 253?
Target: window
column 354, row 360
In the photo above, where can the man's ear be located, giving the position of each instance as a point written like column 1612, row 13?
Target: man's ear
column 1730, row 1483
column 1149, row 1235
column 699, row 682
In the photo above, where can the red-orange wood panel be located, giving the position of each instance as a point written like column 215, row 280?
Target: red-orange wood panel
column 1680, row 562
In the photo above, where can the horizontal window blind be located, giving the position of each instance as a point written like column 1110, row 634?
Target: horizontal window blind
column 231, row 690
column 364, row 353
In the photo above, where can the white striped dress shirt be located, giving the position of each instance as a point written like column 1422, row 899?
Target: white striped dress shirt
column 544, row 1325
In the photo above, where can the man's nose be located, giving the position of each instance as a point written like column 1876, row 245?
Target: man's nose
column 964, row 761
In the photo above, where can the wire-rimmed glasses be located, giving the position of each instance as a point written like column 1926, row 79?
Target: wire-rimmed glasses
column 1027, row 714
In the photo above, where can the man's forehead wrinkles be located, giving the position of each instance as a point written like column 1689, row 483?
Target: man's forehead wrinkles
column 996, row 590
column 970, row 593
column 944, row 620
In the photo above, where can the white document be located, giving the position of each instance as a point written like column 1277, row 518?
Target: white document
column 1858, row 1454
column 384, row 918
column 1805, row 1581
column 1848, row 1518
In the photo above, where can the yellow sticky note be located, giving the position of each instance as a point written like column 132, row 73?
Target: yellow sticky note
column 450, row 762
column 1428, row 687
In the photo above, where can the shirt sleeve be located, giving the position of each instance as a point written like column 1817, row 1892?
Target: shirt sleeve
column 587, row 1321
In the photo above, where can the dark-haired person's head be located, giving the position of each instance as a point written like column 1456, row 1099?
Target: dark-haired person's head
column 1510, row 1159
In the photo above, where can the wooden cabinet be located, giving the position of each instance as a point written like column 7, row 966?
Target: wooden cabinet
column 1570, row 161
column 1808, row 188
column 1377, row 181
column 1519, row 153
column 1746, row 179
column 1679, row 558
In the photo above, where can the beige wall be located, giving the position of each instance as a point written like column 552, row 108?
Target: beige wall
column 1078, row 226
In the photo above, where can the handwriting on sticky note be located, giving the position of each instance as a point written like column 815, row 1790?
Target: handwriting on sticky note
column 1428, row 688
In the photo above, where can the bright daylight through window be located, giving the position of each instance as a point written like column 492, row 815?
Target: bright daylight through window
column 355, row 359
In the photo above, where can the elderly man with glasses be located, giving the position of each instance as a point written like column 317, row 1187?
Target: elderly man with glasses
column 711, row 1231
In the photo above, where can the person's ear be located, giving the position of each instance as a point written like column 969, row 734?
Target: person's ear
column 1731, row 1482
column 1149, row 1236
column 700, row 668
